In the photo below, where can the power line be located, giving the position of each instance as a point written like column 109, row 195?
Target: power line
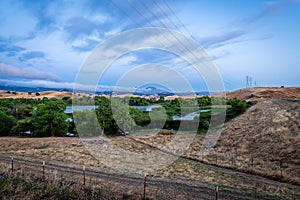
column 188, row 48
column 135, row 21
column 167, row 16
column 149, row 22
column 189, row 33
column 182, row 24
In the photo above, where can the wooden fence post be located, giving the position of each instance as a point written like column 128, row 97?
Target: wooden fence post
column 43, row 169
column 217, row 191
column 280, row 165
column 12, row 164
column 145, row 183
column 83, row 175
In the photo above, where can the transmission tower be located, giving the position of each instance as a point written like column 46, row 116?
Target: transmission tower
column 250, row 80
column 247, row 81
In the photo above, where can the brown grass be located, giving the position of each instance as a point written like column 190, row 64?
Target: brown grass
column 71, row 152
column 264, row 141
column 258, row 93
column 48, row 94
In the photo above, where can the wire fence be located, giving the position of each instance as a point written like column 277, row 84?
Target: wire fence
column 141, row 187
column 277, row 170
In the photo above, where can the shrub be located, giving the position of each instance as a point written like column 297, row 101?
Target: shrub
column 238, row 106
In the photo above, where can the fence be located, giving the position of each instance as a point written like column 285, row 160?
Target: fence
column 277, row 170
column 143, row 187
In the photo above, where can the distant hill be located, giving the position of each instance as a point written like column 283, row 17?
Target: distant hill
column 48, row 94
column 101, row 90
column 13, row 88
column 265, row 92
column 267, row 137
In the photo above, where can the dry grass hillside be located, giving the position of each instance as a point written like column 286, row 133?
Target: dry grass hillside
column 265, row 140
column 265, row 92
column 48, row 94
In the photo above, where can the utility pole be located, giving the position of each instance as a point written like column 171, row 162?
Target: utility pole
column 250, row 80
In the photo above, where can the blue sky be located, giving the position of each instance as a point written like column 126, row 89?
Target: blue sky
column 45, row 43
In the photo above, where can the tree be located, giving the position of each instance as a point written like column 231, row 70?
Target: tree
column 50, row 118
column 204, row 101
column 161, row 99
column 6, row 123
column 138, row 101
column 121, row 114
column 24, row 125
column 86, row 123
column 139, row 117
column 105, row 116
column 23, row 111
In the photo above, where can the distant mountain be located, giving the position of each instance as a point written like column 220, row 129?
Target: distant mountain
column 105, row 90
column 151, row 91
column 31, row 89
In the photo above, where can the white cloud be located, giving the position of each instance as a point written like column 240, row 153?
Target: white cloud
column 8, row 71
column 125, row 61
column 84, row 40
column 60, row 54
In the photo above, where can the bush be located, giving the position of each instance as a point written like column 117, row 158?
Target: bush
column 238, row 106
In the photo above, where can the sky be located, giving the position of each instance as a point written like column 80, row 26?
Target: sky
column 47, row 43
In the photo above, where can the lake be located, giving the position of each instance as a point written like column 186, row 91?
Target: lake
column 70, row 109
column 188, row 117
column 146, row 108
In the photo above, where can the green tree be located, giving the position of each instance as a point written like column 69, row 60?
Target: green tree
column 6, row 123
column 140, row 118
column 138, row 101
column 86, row 123
column 105, row 116
column 23, row 111
column 204, row 101
column 24, row 125
column 49, row 118
column 121, row 114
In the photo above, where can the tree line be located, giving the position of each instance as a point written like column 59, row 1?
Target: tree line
column 46, row 117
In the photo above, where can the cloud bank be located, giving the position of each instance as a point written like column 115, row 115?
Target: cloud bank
column 8, row 71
